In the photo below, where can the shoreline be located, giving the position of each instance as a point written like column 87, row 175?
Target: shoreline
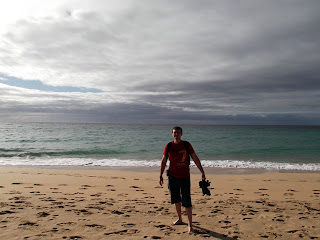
column 193, row 170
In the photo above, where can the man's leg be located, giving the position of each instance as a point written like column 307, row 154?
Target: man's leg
column 189, row 215
column 175, row 198
column 186, row 202
column 178, row 209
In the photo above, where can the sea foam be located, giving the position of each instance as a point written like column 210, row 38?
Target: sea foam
column 114, row 162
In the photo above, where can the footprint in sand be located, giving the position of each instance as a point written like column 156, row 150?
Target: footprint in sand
column 128, row 225
column 291, row 190
column 225, row 222
column 110, row 188
column 216, row 211
column 288, row 194
column 316, row 192
column 126, row 231
column 118, row 178
column 165, row 228
column 28, row 223
column 156, row 237
column 264, row 194
column 36, row 192
column 82, row 211
column 117, row 212
column 6, row 212
column 123, row 195
column 67, row 223
column 278, row 219
column 74, row 237
column 95, row 226
column 96, row 195
column 137, row 188
column 14, row 192
column 43, row 214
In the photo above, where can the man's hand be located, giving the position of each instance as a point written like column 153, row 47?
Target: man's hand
column 163, row 166
column 161, row 181
column 198, row 164
column 203, row 176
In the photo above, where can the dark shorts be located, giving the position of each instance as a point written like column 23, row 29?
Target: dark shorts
column 180, row 191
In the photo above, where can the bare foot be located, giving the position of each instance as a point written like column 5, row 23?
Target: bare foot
column 177, row 222
column 191, row 230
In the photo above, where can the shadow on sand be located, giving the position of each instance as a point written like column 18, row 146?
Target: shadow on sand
column 200, row 230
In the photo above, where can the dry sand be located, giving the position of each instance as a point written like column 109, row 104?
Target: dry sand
column 111, row 204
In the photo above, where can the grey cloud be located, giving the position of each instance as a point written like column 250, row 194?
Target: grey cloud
column 213, row 61
column 78, row 109
column 64, row 40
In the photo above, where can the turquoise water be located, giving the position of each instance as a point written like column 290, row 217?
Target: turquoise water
column 274, row 147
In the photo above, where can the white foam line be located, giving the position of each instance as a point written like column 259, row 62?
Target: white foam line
column 154, row 163
column 264, row 165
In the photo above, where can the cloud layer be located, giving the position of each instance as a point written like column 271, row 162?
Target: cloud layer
column 164, row 61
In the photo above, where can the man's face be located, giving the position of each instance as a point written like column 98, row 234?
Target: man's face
column 176, row 134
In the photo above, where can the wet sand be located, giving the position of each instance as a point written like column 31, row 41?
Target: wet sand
column 84, row 203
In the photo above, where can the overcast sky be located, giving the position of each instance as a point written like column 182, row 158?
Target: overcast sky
column 160, row 61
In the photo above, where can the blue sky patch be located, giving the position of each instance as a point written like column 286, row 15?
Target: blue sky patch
column 37, row 85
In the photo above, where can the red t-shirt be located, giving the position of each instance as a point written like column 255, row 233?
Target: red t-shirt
column 179, row 159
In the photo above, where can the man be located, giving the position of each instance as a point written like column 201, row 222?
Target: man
column 179, row 174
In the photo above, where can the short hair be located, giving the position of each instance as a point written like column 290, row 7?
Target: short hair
column 177, row 128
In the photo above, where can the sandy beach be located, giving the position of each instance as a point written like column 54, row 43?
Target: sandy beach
column 85, row 203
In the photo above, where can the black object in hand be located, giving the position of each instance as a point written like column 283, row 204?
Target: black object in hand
column 204, row 184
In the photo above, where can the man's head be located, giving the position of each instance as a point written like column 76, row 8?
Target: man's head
column 177, row 133
column 177, row 128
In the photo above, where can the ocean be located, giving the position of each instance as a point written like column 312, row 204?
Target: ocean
column 119, row 145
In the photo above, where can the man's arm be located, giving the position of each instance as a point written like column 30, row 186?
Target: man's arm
column 198, row 164
column 163, row 166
